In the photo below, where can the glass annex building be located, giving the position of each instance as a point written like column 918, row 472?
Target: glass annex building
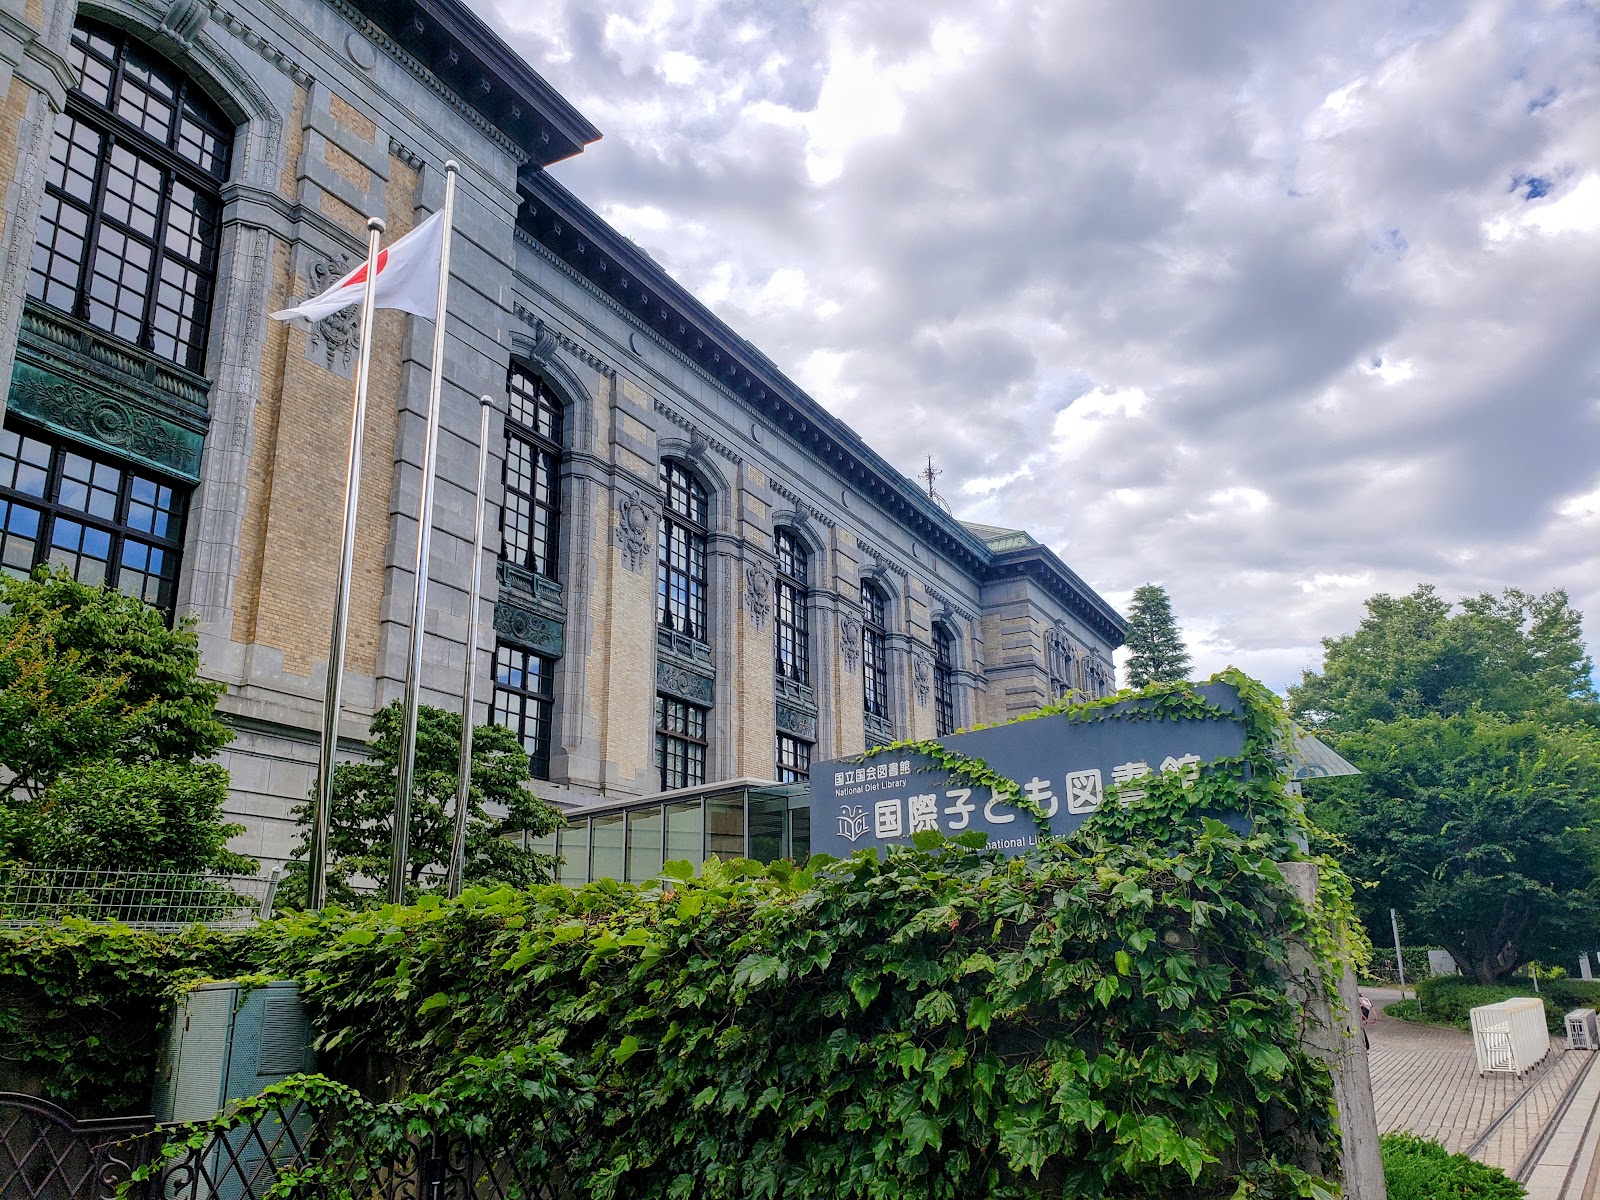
column 739, row 818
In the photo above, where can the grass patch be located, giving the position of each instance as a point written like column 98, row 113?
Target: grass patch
column 1416, row 1169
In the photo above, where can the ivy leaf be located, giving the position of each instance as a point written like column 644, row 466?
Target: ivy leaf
column 1268, row 1060
column 626, row 1049
column 922, row 1130
column 865, row 989
column 1124, row 962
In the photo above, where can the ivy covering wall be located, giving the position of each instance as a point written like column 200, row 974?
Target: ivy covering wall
column 1114, row 1015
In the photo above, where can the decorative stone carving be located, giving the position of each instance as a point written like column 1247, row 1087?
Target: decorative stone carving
column 73, row 408
column 801, row 724
column 636, row 531
column 850, row 641
column 183, row 22
column 699, row 440
column 529, row 630
column 679, row 681
column 334, row 340
column 922, row 677
column 546, row 337
column 758, row 594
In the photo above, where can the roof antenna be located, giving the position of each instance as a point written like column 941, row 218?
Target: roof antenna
column 928, row 475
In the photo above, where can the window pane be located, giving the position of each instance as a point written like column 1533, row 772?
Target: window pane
column 686, row 832
column 572, row 843
column 644, row 844
column 766, row 828
column 606, row 856
column 725, row 827
column 19, row 537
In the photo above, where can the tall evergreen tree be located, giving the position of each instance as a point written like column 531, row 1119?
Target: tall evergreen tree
column 1159, row 655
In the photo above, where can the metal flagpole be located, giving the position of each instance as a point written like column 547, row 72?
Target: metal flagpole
column 400, row 844
column 458, row 841
column 317, row 864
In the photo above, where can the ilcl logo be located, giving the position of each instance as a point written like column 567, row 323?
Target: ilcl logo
column 852, row 822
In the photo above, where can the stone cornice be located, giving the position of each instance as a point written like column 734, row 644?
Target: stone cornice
column 464, row 62
column 1042, row 565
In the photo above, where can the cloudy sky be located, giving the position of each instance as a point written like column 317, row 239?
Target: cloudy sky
column 1277, row 304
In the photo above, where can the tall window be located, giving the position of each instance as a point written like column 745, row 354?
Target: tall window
column 791, row 638
column 944, row 683
column 1059, row 653
column 127, row 237
column 105, row 522
column 680, row 743
column 875, row 652
column 530, row 526
column 794, row 759
column 524, row 690
column 681, row 569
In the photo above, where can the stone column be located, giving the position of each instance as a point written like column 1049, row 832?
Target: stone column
column 1336, row 1039
column 34, row 73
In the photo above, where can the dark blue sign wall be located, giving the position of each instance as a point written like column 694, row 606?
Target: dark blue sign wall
column 1062, row 765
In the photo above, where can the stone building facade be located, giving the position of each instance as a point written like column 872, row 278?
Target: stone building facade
column 698, row 573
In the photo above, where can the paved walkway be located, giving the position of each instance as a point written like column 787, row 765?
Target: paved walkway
column 1540, row 1129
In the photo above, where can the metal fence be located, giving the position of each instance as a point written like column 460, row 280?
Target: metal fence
column 46, row 1154
column 288, row 1138
column 157, row 900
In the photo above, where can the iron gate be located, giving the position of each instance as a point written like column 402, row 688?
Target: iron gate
column 46, row 1154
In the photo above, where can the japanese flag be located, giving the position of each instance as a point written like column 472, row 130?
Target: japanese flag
column 408, row 278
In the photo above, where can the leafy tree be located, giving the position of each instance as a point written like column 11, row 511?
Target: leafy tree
column 1478, row 827
column 102, row 716
column 363, row 811
column 1517, row 654
column 1158, row 651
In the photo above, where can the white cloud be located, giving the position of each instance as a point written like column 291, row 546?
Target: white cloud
column 1278, row 305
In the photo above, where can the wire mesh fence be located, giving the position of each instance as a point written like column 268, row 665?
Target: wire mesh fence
column 155, row 900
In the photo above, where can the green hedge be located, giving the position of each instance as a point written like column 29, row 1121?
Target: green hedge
column 1450, row 999
column 1114, row 1014
column 83, row 1008
column 1417, row 1169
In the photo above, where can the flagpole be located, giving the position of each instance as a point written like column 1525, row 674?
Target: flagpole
column 317, row 862
column 401, row 832
column 458, row 840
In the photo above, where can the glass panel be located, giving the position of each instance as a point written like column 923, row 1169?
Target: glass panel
column 606, row 853
column 543, row 844
column 725, row 826
column 644, row 844
column 19, row 538
column 799, row 834
column 572, row 843
column 766, row 827
column 686, row 833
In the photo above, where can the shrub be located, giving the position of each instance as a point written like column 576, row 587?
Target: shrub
column 1416, row 1169
column 1450, row 999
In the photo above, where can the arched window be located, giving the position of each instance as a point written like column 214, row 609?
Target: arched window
column 791, row 637
column 875, row 653
column 681, row 568
column 944, row 681
column 1059, row 652
column 126, row 242
column 128, row 234
column 530, row 526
